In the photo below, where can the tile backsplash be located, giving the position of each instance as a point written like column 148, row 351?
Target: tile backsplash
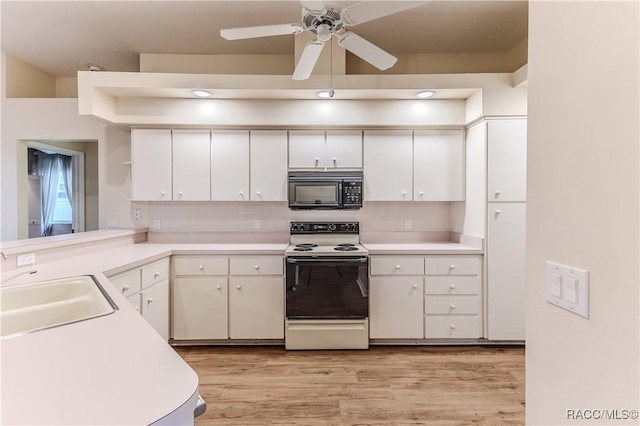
column 236, row 221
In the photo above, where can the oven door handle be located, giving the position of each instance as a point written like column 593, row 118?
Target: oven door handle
column 327, row 259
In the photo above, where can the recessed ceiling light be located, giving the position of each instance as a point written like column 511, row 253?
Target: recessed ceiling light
column 325, row 94
column 425, row 94
column 201, row 93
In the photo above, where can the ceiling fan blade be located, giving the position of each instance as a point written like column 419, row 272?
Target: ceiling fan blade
column 316, row 7
column 369, row 10
column 366, row 50
column 308, row 60
column 261, row 31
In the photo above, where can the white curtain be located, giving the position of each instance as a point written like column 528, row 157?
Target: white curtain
column 48, row 172
column 49, row 168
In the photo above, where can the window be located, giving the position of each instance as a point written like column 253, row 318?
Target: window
column 62, row 207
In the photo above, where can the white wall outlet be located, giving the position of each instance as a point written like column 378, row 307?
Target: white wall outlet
column 25, row 259
column 136, row 214
column 112, row 224
column 156, row 223
column 408, row 224
column 567, row 288
column 257, row 224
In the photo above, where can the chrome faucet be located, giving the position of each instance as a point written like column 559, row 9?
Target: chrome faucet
column 33, row 271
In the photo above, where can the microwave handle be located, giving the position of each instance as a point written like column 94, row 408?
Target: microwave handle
column 340, row 193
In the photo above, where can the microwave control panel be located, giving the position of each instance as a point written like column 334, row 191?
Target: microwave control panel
column 352, row 193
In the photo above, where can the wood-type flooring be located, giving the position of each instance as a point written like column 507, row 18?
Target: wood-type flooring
column 385, row 385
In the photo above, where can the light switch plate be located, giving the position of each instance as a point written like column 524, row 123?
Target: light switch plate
column 567, row 288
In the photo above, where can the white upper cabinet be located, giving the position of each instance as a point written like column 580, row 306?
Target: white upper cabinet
column 438, row 165
column 306, row 149
column 268, row 165
column 507, row 160
column 316, row 149
column 230, row 165
column 191, row 168
column 151, row 164
column 388, row 159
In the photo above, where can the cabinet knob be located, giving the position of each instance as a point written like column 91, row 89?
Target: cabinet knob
column 498, row 193
column 452, row 286
column 453, row 306
column 218, row 286
column 452, row 326
column 404, row 192
column 162, row 193
column 137, row 308
column 421, row 193
column 239, row 287
column 149, row 300
column 125, row 288
column 415, row 286
column 257, row 192
column 335, row 160
column 452, row 266
column 241, row 193
column 498, row 213
column 201, row 267
column 180, row 193
column 156, row 274
column 397, row 266
column 317, row 159
column 256, row 266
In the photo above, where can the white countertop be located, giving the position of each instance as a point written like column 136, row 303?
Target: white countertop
column 422, row 248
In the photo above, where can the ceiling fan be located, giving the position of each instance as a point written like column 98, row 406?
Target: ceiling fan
column 326, row 20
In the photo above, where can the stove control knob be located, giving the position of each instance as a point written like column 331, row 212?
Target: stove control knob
column 332, row 227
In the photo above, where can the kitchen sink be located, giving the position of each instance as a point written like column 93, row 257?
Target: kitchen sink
column 45, row 304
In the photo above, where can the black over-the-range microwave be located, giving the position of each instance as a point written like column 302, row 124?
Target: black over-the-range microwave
column 325, row 190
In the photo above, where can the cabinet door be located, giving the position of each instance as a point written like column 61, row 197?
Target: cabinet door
column 438, row 165
column 155, row 307
column 344, row 149
column 199, row 308
column 306, row 149
column 230, row 166
column 507, row 160
column 268, row 165
column 151, row 165
column 388, row 159
column 256, row 307
column 396, row 307
column 506, row 271
column 191, row 167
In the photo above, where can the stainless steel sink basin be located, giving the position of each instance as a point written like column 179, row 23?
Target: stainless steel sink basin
column 45, row 304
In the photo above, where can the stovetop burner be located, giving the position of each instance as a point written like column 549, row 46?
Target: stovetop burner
column 306, row 245
column 345, row 247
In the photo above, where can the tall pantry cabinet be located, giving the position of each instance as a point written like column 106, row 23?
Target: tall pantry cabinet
column 505, row 238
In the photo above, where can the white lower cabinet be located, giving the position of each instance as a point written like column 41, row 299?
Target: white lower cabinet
column 220, row 297
column 147, row 289
column 395, row 307
column 425, row 297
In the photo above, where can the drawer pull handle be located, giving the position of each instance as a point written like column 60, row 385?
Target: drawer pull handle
column 125, row 288
column 162, row 193
column 452, row 266
column 453, row 306
column 256, row 266
column 149, row 300
column 415, row 286
column 453, row 326
column 498, row 193
column 452, row 286
column 404, row 192
column 397, row 266
column 239, row 287
column 201, row 267
column 156, row 274
column 218, row 286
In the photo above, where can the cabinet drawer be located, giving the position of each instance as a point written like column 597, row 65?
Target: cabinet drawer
column 397, row 265
column 452, row 265
column 155, row 272
column 463, row 284
column 452, row 326
column 256, row 265
column 448, row 305
column 127, row 283
column 200, row 265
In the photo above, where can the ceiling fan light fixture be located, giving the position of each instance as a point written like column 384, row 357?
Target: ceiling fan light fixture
column 201, row 93
column 426, row 94
column 325, row 94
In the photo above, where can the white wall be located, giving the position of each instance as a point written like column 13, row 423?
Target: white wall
column 55, row 119
column 583, row 206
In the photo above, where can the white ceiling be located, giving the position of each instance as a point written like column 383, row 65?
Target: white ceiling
column 62, row 37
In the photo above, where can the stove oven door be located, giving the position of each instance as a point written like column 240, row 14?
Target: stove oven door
column 332, row 287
